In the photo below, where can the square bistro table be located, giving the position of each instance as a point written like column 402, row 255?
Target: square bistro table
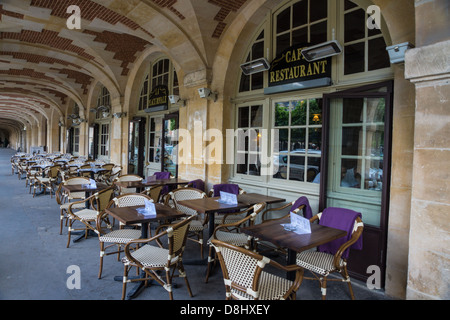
column 139, row 185
column 212, row 205
column 130, row 216
column 274, row 232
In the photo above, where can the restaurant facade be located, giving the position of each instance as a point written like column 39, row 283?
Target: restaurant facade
column 225, row 91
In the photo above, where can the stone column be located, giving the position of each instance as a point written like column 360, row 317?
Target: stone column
column 428, row 67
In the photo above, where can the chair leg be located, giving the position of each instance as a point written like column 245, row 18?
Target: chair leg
column 102, row 253
column 61, row 218
column 68, row 231
column 323, row 288
column 125, row 279
column 182, row 273
column 346, row 277
column 210, row 262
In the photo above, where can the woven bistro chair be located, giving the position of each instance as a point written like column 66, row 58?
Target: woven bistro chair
column 199, row 224
column 155, row 258
column 110, row 176
column 326, row 260
column 154, row 192
column 245, row 278
column 115, row 236
column 48, row 181
column 65, row 198
column 127, row 177
column 229, row 233
column 102, row 176
column 88, row 216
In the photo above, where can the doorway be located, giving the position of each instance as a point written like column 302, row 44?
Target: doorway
column 169, row 161
column 136, row 146
column 356, row 174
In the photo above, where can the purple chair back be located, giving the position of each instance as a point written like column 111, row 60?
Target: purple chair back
column 343, row 219
column 226, row 187
column 307, row 212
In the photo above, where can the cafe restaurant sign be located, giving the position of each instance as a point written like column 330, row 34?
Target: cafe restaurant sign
column 290, row 71
column 158, row 99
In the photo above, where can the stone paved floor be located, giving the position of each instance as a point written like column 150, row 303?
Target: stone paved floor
column 34, row 259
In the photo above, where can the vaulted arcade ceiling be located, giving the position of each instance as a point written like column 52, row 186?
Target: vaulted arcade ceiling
column 44, row 63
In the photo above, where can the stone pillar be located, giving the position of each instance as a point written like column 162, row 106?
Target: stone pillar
column 119, row 136
column 428, row 67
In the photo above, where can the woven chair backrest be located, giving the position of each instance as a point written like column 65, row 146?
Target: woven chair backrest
column 240, row 270
column 177, row 238
column 77, row 180
column 103, row 198
column 186, row 194
column 130, row 200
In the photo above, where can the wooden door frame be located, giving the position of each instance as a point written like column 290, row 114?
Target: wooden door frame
column 371, row 233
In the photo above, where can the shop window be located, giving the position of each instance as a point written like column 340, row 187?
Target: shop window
column 254, row 81
column 76, row 140
column 104, row 99
column 248, row 154
column 297, row 151
column 154, row 152
column 364, row 48
column 104, row 140
column 304, row 22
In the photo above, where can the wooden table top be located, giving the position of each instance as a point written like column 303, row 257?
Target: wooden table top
column 84, row 187
column 145, row 183
column 211, row 205
column 274, row 232
column 130, row 216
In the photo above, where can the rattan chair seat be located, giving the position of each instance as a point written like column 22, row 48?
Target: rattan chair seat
column 75, row 206
column 87, row 214
column 234, row 238
column 151, row 257
column 121, row 236
column 318, row 262
column 271, row 287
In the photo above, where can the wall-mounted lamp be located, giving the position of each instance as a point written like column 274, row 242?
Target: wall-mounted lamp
column 397, row 52
column 77, row 121
column 61, row 124
column 73, row 116
column 255, row 66
column 322, row 50
column 206, row 93
column 175, row 100
column 119, row 115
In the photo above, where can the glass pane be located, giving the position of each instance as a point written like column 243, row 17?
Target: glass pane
column 312, row 175
column 257, row 81
column 300, row 36
column 283, row 142
column 297, row 168
column 253, row 137
column 281, row 114
column 242, row 163
column 298, row 114
column 283, row 42
column 255, row 165
column 315, row 111
column 352, row 138
column 315, row 141
column 318, row 33
column 353, row 111
column 349, row 5
column 243, row 120
column 256, row 116
column 258, row 50
column 355, row 24
column 375, row 141
column 298, row 140
column 378, row 55
column 354, row 58
column 374, row 175
column 245, row 83
column 375, row 110
column 318, row 10
column 284, row 20
column 350, row 177
column 300, row 14
column 282, row 166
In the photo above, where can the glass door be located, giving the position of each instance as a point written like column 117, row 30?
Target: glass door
column 357, row 165
column 170, row 146
column 136, row 146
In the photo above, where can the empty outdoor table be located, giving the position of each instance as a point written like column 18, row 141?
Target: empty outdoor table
column 130, row 216
column 139, row 185
column 274, row 232
column 212, row 205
